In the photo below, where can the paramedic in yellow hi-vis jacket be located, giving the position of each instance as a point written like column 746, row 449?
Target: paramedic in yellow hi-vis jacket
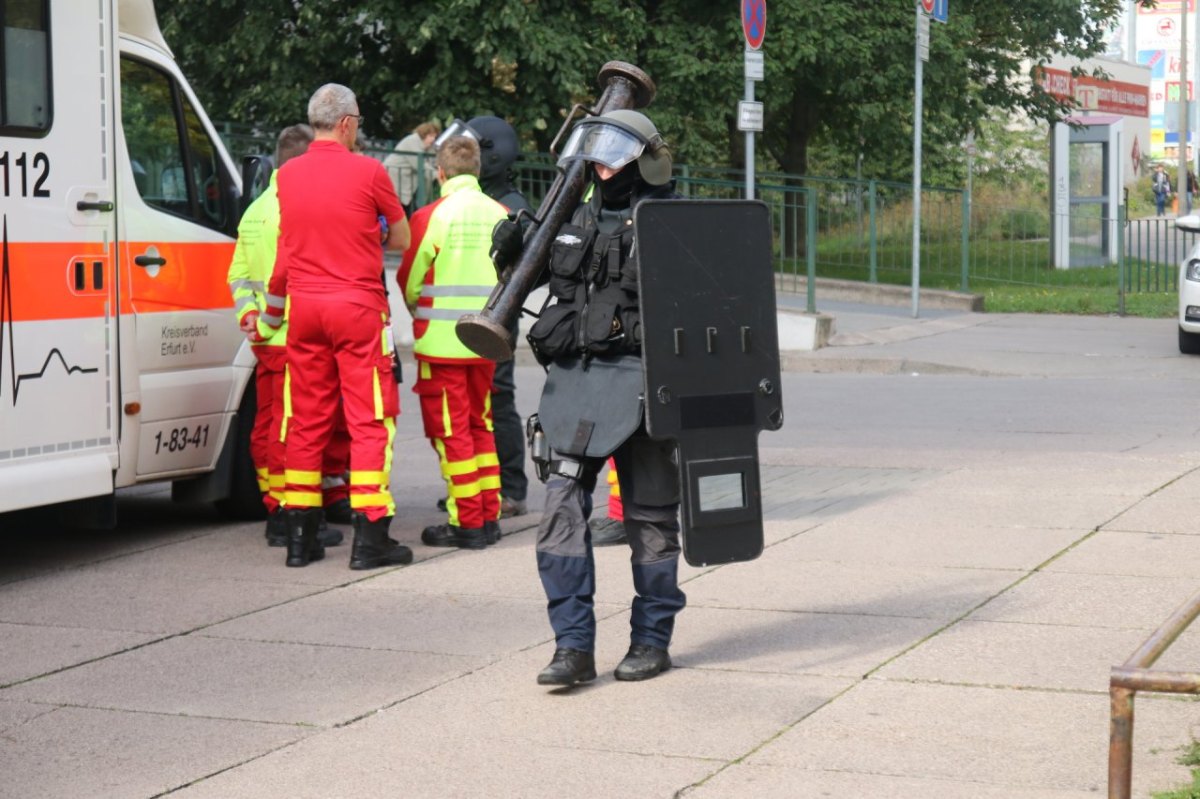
column 253, row 260
column 447, row 272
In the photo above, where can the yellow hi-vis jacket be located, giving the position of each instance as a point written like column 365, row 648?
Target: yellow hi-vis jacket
column 254, row 259
column 447, row 270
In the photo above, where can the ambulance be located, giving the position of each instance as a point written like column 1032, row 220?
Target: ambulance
column 120, row 359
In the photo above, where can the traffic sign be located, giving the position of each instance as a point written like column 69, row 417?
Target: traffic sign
column 927, row 6
column 941, row 10
column 754, row 22
column 750, row 116
column 753, row 65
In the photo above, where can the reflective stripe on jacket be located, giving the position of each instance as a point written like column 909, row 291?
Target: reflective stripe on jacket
column 253, row 260
column 447, row 270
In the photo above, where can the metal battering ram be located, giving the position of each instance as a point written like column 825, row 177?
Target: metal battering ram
column 486, row 333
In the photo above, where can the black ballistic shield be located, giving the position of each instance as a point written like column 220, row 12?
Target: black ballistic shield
column 710, row 349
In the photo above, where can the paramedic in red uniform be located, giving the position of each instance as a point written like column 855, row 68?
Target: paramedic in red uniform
column 339, row 334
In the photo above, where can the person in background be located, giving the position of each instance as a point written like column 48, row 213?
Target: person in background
column 447, row 272
column 1160, row 184
column 253, row 260
column 339, row 338
column 411, row 161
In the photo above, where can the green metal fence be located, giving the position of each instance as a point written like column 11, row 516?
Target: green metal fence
column 862, row 230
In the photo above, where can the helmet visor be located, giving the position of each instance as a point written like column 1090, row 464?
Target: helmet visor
column 604, row 143
column 456, row 128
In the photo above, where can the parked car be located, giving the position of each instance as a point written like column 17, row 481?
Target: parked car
column 1189, row 290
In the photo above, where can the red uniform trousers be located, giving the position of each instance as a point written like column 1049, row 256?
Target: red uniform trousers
column 333, row 348
column 266, row 446
column 456, row 407
column 616, row 509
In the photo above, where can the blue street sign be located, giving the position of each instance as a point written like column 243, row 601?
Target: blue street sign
column 941, row 10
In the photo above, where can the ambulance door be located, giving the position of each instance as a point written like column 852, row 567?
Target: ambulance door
column 59, row 407
column 177, row 222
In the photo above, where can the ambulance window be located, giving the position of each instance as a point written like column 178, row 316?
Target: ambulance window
column 25, row 62
column 152, row 137
column 206, row 172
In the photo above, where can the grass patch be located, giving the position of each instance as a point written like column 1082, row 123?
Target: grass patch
column 1190, row 757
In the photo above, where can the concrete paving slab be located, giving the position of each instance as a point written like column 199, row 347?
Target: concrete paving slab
column 1137, row 554
column 1099, row 474
column 1171, row 510
column 399, row 621
column 1047, row 740
column 1089, row 600
column 785, row 579
column 404, row 760
column 104, row 599
column 14, row 714
column 238, row 553
column 781, row 782
column 926, row 541
column 1018, row 508
column 1026, row 655
column 777, row 642
column 75, row 751
column 30, row 650
column 247, row 680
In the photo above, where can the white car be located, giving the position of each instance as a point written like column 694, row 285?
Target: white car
column 1189, row 290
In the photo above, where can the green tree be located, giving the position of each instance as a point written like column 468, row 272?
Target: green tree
column 839, row 74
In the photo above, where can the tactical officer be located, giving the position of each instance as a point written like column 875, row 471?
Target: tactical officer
column 590, row 338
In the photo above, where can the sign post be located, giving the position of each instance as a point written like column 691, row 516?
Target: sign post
column 939, row 10
column 750, row 113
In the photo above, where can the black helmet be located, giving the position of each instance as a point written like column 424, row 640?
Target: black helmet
column 498, row 146
column 619, row 137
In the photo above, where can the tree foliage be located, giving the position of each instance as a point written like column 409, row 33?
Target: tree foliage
column 839, row 74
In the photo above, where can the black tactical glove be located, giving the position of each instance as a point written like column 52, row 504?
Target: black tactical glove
column 506, row 244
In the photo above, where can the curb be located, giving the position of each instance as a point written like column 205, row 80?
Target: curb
column 879, row 293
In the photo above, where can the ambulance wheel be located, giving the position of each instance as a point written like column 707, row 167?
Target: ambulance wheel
column 244, row 500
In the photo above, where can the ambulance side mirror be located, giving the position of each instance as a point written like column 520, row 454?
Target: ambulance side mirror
column 256, row 176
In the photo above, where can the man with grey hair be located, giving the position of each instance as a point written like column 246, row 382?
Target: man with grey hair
column 332, row 203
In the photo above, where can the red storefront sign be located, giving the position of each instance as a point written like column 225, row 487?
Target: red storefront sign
column 1106, row 96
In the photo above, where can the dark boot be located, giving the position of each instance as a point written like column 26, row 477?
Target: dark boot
column 642, row 662
column 372, row 547
column 328, row 536
column 568, row 667
column 303, row 546
column 339, row 512
column 277, row 528
column 449, row 535
column 608, row 532
column 491, row 531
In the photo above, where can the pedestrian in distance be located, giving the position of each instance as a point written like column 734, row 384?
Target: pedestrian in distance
column 447, row 272
column 339, row 337
column 590, row 338
column 1192, row 188
column 1160, row 184
column 253, row 260
column 411, row 163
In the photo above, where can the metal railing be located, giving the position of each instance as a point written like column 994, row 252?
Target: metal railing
column 1136, row 675
column 862, row 230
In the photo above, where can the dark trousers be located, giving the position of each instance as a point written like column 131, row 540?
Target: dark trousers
column 509, row 432
column 568, row 571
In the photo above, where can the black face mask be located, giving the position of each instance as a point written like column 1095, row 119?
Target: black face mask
column 618, row 189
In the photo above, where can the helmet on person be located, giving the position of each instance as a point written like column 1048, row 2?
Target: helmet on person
column 616, row 138
column 455, row 128
column 498, row 146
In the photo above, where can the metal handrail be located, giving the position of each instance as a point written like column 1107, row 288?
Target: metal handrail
column 1136, row 675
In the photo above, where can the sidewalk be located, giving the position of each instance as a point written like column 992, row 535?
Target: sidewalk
column 924, row 622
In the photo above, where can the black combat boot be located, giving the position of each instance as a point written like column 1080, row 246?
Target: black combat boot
column 642, row 662
column 372, row 547
column 303, row 546
column 491, row 531
column 277, row 531
column 568, row 667
column 449, row 535
column 339, row 512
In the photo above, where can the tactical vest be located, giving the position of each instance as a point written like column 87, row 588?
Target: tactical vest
column 593, row 275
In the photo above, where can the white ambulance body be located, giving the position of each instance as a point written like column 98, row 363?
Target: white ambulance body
column 120, row 359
